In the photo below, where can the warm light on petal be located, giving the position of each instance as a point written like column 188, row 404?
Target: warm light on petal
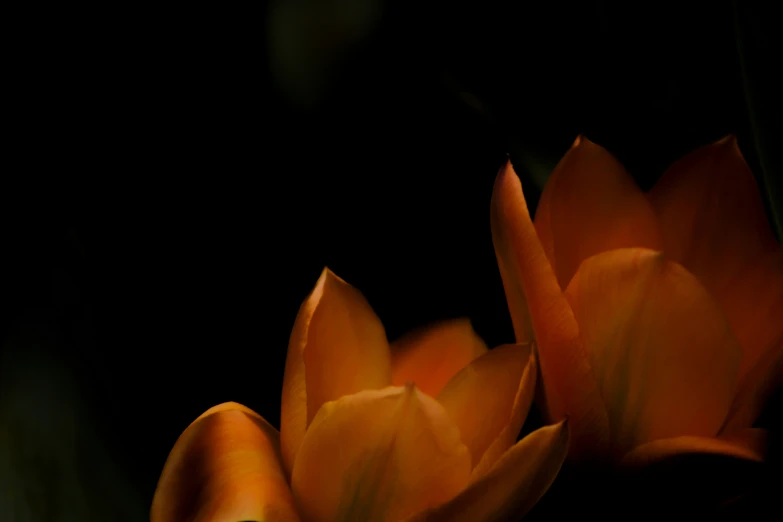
column 224, row 467
column 379, row 456
column 338, row 347
column 755, row 390
column 479, row 399
column 535, row 298
column 713, row 222
column 504, row 209
column 661, row 348
column 589, row 205
column 516, row 482
column 508, row 435
column 750, row 444
column 431, row 356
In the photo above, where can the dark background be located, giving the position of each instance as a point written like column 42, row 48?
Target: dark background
column 188, row 173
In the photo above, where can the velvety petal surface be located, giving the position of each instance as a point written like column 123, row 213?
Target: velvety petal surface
column 514, row 485
column 338, row 347
column 480, row 398
column 224, row 467
column 713, row 222
column 660, row 346
column 589, row 205
column 537, row 304
column 431, row 356
column 379, row 455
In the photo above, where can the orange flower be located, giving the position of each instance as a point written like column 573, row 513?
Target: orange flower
column 657, row 316
column 423, row 430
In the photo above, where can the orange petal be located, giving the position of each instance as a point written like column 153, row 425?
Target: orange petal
column 505, row 252
column 379, row 456
column 338, row 347
column 753, row 303
column 755, row 390
column 508, row 435
column 713, row 222
column 514, row 485
column 224, row 467
column 590, row 205
column 480, row 398
column 431, row 356
column 661, row 348
column 527, row 275
column 750, row 444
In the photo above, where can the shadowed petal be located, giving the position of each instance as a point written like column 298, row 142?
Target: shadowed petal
column 536, row 300
column 750, row 444
column 514, row 485
column 590, row 205
column 758, row 386
column 480, row 398
column 432, row 355
column 224, row 467
column 508, row 435
column 713, row 222
column 753, row 303
column 338, row 347
column 660, row 346
column 379, row 456
column 701, row 472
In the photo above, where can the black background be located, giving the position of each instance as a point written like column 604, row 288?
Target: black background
column 179, row 199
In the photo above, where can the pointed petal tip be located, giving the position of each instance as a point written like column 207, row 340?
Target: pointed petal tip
column 729, row 139
column 729, row 145
column 326, row 273
column 327, row 279
column 565, row 425
column 582, row 141
column 506, row 165
column 318, row 290
column 507, row 178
